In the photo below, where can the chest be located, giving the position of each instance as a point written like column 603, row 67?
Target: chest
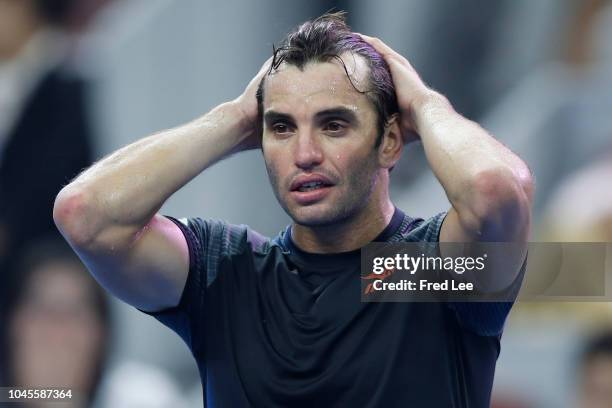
column 281, row 339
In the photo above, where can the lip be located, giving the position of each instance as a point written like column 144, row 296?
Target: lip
column 310, row 197
column 303, row 179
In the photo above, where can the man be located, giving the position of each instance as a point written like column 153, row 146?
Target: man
column 279, row 322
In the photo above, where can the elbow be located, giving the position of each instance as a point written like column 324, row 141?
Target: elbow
column 500, row 204
column 70, row 214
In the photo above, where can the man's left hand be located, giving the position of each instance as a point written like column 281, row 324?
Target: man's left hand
column 409, row 87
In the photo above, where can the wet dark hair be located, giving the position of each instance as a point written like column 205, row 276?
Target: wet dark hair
column 324, row 39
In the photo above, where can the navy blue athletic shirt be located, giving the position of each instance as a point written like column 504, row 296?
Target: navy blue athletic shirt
column 273, row 326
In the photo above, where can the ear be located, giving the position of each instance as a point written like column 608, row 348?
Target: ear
column 392, row 145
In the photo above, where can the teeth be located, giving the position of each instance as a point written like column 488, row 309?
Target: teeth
column 310, row 186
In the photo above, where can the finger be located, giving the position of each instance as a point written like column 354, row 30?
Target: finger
column 387, row 52
column 265, row 67
column 378, row 44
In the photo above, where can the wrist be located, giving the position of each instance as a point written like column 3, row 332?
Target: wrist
column 428, row 106
column 224, row 126
column 235, row 109
column 246, row 124
column 236, row 120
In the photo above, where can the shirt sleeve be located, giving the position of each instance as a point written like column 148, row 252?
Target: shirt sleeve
column 487, row 318
column 208, row 241
column 427, row 230
column 482, row 318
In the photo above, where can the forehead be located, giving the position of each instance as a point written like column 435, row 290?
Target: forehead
column 319, row 85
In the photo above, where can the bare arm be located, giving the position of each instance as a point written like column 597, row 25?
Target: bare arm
column 490, row 188
column 109, row 213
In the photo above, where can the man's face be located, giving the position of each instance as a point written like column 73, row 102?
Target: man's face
column 318, row 140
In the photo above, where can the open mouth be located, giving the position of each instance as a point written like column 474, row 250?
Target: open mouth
column 310, row 182
column 312, row 185
column 309, row 189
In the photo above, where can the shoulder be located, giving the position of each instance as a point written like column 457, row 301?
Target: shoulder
column 480, row 318
column 212, row 240
column 226, row 237
column 423, row 229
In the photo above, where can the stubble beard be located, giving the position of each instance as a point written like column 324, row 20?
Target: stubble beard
column 360, row 185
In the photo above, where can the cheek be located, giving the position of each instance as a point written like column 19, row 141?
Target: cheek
column 273, row 162
column 350, row 161
column 359, row 170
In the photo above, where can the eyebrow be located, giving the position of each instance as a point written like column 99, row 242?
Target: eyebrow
column 341, row 112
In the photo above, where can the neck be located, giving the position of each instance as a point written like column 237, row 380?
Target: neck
column 346, row 235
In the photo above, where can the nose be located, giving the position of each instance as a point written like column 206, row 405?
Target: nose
column 307, row 153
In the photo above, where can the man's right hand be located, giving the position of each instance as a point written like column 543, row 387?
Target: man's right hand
column 247, row 104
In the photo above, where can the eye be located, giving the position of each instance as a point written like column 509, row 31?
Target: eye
column 281, row 128
column 334, row 127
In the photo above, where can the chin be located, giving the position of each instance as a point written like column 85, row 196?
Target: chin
column 311, row 216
